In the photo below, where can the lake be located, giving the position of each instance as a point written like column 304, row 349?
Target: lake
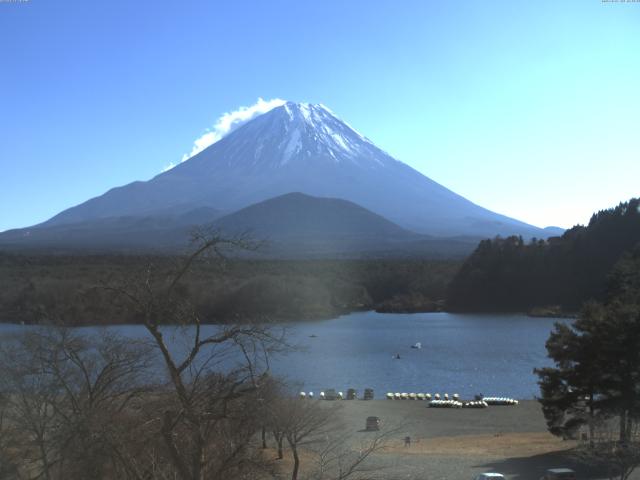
column 493, row 354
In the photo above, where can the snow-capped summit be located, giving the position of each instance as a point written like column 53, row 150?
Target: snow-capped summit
column 300, row 147
column 300, row 132
column 328, row 133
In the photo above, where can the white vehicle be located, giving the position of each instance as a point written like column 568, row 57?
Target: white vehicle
column 559, row 474
column 489, row 476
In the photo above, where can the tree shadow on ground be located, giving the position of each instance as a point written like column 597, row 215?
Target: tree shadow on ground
column 534, row 467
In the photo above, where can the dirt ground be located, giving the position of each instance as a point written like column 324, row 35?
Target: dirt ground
column 457, row 444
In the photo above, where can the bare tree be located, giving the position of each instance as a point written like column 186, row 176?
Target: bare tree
column 87, row 407
column 299, row 422
column 605, row 450
column 207, row 424
column 342, row 457
column 30, row 408
column 268, row 396
column 66, row 399
column 314, row 430
column 8, row 467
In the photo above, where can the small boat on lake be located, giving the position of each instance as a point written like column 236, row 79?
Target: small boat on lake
column 417, row 345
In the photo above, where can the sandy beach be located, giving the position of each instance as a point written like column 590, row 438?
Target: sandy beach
column 457, row 444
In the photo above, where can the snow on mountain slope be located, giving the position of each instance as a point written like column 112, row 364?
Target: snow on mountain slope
column 300, row 147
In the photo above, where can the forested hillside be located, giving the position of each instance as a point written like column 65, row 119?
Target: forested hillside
column 74, row 290
column 508, row 274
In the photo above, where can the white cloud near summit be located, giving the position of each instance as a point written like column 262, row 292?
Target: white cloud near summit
column 228, row 122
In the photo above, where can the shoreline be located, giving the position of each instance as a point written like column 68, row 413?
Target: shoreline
column 285, row 321
column 457, row 444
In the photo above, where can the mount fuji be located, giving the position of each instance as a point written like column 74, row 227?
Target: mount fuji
column 296, row 147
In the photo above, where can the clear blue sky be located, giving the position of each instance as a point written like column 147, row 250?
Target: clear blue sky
column 529, row 108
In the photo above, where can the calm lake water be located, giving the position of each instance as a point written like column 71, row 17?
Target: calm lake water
column 492, row 354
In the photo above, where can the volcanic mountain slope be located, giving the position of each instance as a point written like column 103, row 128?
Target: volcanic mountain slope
column 298, row 216
column 299, row 148
column 293, row 225
column 298, row 225
column 123, row 233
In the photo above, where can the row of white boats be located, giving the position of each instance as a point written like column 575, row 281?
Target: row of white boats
column 484, row 403
column 420, row 396
column 452, row 402
column 457, row 404
column 323, row 396
column 436, row 400
column 500, row 401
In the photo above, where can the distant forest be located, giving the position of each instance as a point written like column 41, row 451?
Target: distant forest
column 74, row 289
column 503, row 274
column 509, row 274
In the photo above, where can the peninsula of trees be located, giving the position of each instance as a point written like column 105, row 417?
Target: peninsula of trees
column 509, row 274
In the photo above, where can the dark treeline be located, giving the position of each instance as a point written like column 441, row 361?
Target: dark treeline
column 510, row 274
column 73, row 287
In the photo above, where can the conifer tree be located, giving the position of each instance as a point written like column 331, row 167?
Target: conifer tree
column 597, row 360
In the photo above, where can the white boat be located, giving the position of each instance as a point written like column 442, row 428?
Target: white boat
column 416, row 345
column 500, row 401
column 445, row 404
